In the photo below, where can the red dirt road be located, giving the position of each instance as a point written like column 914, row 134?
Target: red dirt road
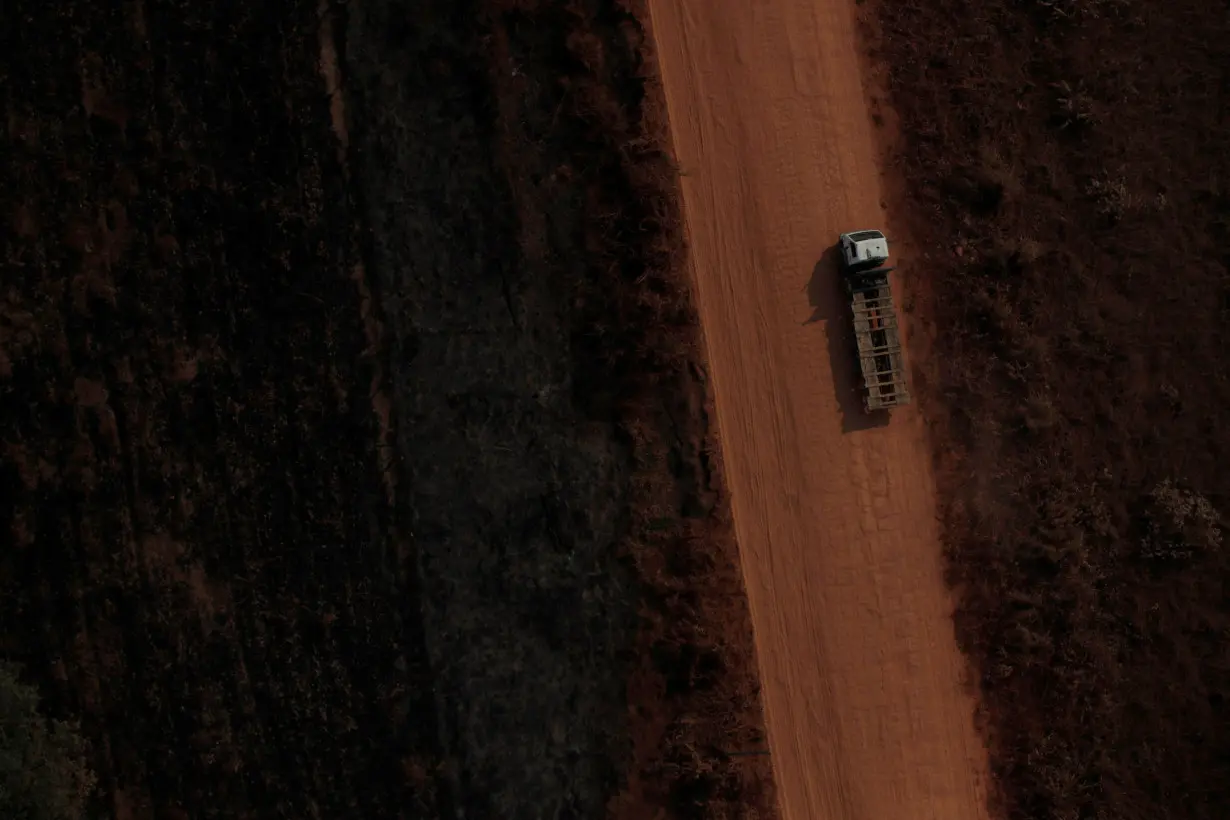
column 866, row 711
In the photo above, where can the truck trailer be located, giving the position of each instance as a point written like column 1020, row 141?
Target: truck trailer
column 876, row 334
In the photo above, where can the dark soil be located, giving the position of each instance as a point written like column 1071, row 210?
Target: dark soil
column 357, row 459
column 1065, row 165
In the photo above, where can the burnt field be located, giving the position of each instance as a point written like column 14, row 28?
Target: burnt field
column 357, row 458
column 1065, row 169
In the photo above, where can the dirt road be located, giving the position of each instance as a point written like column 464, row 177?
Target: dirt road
column 862, row 678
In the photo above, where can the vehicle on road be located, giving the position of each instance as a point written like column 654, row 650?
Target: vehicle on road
column 876, row 333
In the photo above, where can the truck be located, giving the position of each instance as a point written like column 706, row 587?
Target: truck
column 877, row 338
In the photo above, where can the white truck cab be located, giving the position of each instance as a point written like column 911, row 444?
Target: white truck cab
column 863, row 248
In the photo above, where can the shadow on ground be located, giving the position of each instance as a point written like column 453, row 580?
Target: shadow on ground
column 829, row 306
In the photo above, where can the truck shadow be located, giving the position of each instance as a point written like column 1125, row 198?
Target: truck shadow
column 830, row 306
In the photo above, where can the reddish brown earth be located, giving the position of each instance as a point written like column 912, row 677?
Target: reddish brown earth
column 1058, row 168
column 835, row 512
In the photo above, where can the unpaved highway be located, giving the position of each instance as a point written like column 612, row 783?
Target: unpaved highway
column 867, row 715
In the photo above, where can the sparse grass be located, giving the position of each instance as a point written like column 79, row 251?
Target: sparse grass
column 1073, row 381
column 637, row 333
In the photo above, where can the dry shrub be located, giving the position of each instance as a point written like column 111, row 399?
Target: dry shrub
column 1082, row 10
column 636, row 338
column 1074, row 106
column 1102, row 671
column 43, row 771
column 1111, row 196
column 1180, row 524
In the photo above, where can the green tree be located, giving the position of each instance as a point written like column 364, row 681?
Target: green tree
column 43, row 771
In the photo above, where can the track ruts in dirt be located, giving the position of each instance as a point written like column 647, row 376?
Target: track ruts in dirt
column 834, row 508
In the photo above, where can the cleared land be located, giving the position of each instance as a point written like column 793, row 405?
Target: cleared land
column 835, row 514
column 356, row 453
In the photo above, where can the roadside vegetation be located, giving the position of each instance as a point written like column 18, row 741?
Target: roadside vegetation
column 1066, row 166
column 43, row 769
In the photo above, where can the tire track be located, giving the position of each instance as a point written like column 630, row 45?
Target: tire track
column 862, row 678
